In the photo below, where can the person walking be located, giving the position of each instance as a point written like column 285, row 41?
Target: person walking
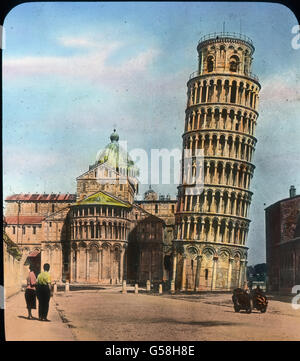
column 30, row 292
column 43, row 292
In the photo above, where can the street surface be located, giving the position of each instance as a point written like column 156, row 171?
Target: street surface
column 109, row 315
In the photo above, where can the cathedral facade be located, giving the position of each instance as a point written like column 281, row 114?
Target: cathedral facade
column 98, row 235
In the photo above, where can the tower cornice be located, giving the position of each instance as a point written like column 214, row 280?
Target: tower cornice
column 251, row 77
column 221, row 104
column 210, row 130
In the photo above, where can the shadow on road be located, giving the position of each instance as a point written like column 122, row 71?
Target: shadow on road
column 29, row 319
column 195, row 323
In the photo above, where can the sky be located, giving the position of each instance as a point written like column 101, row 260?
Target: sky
column 74, row 71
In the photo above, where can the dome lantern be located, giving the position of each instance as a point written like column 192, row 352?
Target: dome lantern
column 114, row 137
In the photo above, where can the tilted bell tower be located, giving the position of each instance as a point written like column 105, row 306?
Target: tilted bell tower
column 210, row 250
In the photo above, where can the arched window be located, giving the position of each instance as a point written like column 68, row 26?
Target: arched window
column 210, row 64
column 203, row 95
column 233, row 92
column 234, row 62
column 206, row 274
column 92, row 230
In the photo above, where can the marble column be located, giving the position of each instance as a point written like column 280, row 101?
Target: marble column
column 241, row 272
column 229, row 273
column 214, row 275
column 71, row 266
column 77, row 264
column 99, row 264
column 198, row 270
column 87, row 264
column 183, row 275
column 122, row 264
column 188, row 228
column 174, row 267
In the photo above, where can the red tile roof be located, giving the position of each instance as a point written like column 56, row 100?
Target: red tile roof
column 34, row 253
column 24, row 219
column 42, row 197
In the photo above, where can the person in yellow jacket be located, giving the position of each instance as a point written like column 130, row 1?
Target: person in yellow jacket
column 43, row 292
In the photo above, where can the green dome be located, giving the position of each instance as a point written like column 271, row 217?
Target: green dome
column 117, row 158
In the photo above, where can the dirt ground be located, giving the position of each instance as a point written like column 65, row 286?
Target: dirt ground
column 109, row 315
column 19, row 328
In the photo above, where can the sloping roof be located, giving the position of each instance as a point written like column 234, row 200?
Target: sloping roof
column 283, row 200
column 42, row 197
column 103, row 198
column 24, row 219
column 34, row 254
column 149, row 215
column 57, row 213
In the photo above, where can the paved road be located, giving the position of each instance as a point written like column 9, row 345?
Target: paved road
column 19, row 328
column 110, row 315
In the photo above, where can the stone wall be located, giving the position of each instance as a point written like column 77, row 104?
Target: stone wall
column 34, row 208
column 14, row 270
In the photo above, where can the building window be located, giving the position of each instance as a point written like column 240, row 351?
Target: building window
column 23, row 229
column 156, row 208
column 14, row 230
column 92, row 230
column 53, row 207
column 93, row 255
column 233, row 92
column 234, row 62
column 50, row 224
column 34, row 229
column 206, row 274
column 36, row 208
column 210, row 64
column 173, row 208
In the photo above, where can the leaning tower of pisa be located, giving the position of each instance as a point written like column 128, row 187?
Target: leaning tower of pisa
column 210, row 250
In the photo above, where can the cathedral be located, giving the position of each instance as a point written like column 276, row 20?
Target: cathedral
column 100, row 234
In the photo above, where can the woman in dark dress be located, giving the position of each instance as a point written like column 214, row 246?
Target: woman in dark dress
column 30, row 292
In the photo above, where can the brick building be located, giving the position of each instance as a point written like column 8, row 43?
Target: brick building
column 283, row 243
